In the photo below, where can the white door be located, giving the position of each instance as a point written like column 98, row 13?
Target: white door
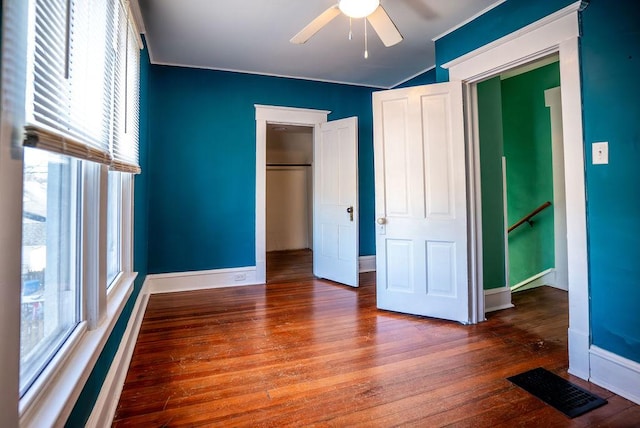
column 421, row 209
column 335, row 190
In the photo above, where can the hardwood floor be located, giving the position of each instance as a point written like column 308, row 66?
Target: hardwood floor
column 289, row 265
column 315, row 353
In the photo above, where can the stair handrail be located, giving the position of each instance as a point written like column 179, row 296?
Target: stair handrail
column 528, row 217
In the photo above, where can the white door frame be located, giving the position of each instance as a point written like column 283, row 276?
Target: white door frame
column 556, row 33
column 284, row 116
column 553, row 102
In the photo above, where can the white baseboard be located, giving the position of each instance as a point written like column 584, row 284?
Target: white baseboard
column 107, row 401
column 496, row 299
column 367, row 264
column 579, row 343
column 547, row 277
column 202, row 280
column 217, row 278
column 615, row 373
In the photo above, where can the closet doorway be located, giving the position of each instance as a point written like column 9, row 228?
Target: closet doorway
column 289, row 203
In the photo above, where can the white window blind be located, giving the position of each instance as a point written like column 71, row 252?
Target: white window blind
column 126, row 95
column 84, row 89
column 69, row 108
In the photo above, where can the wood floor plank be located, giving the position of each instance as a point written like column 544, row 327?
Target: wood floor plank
column 302, row 351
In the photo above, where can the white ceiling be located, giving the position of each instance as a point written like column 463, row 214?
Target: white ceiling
column 253, row 36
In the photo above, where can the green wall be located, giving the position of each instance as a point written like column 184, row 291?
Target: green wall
column 514, row 122
column 491, row 152
column 527, row 147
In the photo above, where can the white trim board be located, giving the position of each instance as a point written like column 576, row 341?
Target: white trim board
column 496, row 299
column 218, row 278
column 539, row 29
column 558, row 32
column 615, row 373
column 366, row 264
column 62, row 381
column 546, row 277
column 282, row 115
column 201, row 280
column 107, row 401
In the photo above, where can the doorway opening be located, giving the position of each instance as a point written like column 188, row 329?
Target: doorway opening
column 524, row 236
column 274, row 116
column 289, row 203
column 557, row 33
column 335, row 191
column 522, row 179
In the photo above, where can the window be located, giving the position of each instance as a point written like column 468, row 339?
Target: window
column 50, row 275
column 114, row 237
column 80, row 152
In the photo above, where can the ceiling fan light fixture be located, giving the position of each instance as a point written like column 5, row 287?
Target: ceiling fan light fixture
column 358, row 8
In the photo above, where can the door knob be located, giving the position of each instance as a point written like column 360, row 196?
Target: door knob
column 381, row 220
column 350, row 211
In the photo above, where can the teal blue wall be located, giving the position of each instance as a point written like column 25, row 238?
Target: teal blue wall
column 84, row 405
column 527, row 147
column 491, row 152
column 202, row 157
column 425, row 78
column 609, row 57
column 498, row 22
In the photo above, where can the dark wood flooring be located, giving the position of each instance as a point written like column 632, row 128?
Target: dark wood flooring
column 308, row 352
column 291, row 265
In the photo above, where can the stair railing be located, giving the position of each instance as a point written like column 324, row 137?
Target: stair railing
column 528, row 217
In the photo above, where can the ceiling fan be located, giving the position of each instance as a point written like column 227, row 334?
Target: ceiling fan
column 369, row 9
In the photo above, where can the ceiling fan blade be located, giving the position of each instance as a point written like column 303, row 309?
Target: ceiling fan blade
column 314, row 26
column 384, row 27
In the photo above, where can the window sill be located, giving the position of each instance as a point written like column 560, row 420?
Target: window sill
column 51, row 398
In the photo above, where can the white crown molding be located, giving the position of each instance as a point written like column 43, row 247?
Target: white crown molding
column 556, row 16
column 468, row 20
column 255, row 73
column 412, row 77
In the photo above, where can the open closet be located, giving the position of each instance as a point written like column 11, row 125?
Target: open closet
column 289, row 197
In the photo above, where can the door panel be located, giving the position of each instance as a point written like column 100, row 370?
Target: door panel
column 335, row 241
column 438, row 156
column 421, row 238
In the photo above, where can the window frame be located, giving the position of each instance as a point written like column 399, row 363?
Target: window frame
column 120, row 236
column 54, row 392
column 50, row 398
column 71, row 260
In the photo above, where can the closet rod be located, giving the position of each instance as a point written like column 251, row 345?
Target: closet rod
column 288, row 164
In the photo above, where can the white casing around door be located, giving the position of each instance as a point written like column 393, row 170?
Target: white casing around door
column 335, row 190
column 421, row 208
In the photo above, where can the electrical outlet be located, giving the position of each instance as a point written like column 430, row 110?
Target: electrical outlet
column 240, row 277
column 600, row 153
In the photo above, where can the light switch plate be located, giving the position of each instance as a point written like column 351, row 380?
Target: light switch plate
column 600, row 153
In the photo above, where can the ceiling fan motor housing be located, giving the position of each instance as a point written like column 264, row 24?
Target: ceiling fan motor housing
column 358, row 8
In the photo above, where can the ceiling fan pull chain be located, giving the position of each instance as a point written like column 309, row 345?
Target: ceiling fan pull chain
column 366, row 51
column 350, row 32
